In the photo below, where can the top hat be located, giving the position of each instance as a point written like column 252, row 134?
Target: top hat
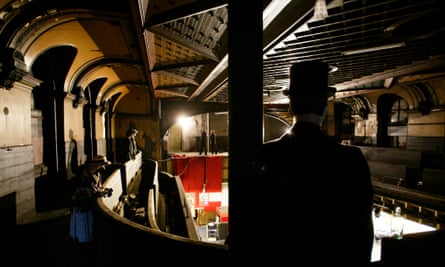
column 98, row 161
column 310, row 78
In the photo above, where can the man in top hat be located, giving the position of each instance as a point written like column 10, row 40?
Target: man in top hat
column 317, row 193
column 132, row 145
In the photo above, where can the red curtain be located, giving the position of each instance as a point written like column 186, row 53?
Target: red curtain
column 214, row 173
column 191, row 170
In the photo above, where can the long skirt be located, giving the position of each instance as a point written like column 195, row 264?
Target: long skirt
column 81, row 225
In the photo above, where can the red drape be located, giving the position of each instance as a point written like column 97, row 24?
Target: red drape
column 192, row 170
column 213, row 174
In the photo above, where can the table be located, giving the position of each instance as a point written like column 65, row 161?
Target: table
column 382, row 228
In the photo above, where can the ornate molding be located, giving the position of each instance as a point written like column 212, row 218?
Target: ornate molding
column 12, row 67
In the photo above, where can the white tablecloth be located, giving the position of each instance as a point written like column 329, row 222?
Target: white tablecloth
column 382, row 228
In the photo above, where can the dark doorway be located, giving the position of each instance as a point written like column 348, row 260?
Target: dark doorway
column 51, row 68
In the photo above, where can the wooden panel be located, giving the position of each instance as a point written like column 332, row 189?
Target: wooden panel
column 388, row 170
column 425, row 143
column 409, row 158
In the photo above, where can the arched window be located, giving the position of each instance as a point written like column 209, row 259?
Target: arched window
column 399, row 112
column 392, row 116
column 398, row 120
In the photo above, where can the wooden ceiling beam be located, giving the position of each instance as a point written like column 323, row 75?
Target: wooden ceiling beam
column 188, row 10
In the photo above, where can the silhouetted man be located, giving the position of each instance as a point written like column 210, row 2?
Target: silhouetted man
column 314, row 195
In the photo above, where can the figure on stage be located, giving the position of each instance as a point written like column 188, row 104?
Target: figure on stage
column 203, row 142
column 212, row 141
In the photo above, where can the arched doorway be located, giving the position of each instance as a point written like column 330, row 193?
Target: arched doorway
column 89, row 117
column 392, row 118
column 51, row 68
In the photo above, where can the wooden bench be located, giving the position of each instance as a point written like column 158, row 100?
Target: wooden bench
column 387, row 172
column 394, row 165
column 411, row 159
